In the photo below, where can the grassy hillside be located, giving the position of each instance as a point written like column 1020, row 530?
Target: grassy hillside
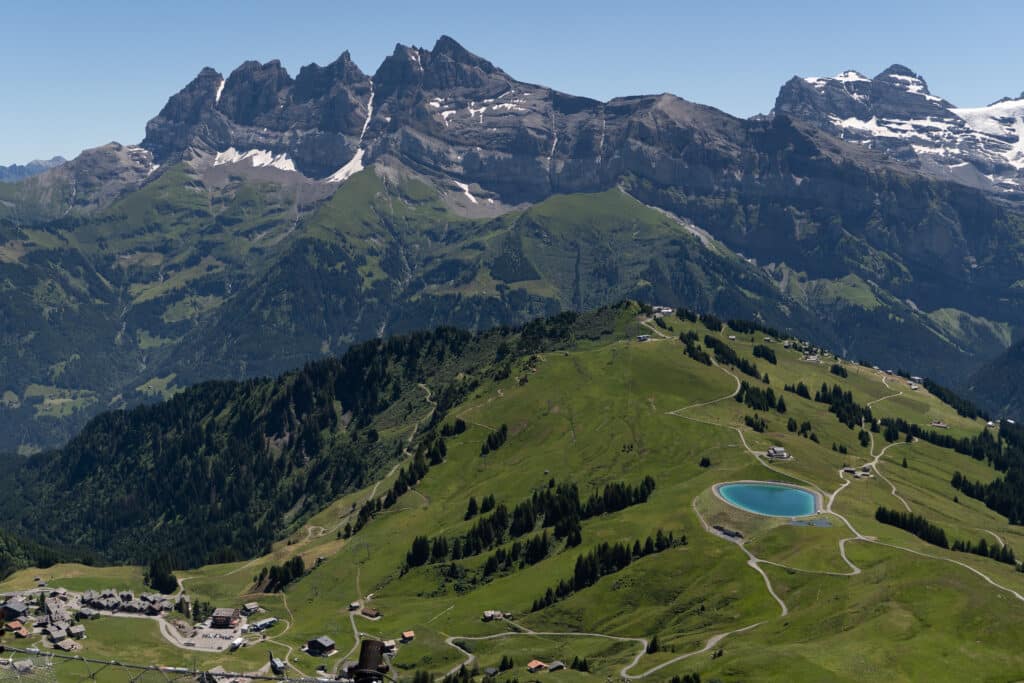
column 195, row 277
column 848, row 600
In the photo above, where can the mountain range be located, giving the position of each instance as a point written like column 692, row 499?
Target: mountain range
column 266, row 220
column 18, row 172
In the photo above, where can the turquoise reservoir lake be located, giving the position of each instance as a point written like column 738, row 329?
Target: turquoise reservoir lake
column 774, row 500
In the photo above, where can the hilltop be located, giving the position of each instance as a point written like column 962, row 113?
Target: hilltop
column 575, row 433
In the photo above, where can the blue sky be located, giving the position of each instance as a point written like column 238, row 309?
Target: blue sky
column 79, row 74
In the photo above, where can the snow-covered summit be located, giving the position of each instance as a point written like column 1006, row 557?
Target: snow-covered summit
column 895, row 113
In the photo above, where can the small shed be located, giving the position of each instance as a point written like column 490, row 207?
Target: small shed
column 66, row 645
column 408, row 636
column 556, row 666
column 320, row 647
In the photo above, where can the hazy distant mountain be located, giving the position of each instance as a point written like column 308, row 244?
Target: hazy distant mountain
column 267, row 219
column 17, row 172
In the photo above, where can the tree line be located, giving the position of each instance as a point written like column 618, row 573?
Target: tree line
column 275, row 578
column 915, row 524
column 961, row 405
column 495, row 440
column 692, row 349
column 605, row 559
column 752, row 326
column 726, row 355
column 800, row 389
column 842, row 405
column 1000, row 553
column 557, row 506
column 760, row 399
column 765, row 352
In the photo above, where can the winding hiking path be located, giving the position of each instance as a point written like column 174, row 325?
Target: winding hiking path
column 755, row 562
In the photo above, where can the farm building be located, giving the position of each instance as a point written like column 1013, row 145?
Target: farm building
column 408, row 636
column 536, row 665
column 262, row 624
column 66, row 645
column 14, row 609
column 225, row 617
column 777, row 453
column 320, row 647
column 370, row 613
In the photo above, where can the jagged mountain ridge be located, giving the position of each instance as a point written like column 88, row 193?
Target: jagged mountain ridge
column 241, row 237
column 895, row 112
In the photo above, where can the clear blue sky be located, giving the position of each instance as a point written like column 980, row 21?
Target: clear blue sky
column 79, row 74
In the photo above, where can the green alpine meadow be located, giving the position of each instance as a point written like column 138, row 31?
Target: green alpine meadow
column 433, row 373
column 549, row 493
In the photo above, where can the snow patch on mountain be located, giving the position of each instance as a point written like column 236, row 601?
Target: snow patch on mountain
column 220, row 91
column 852, row 77
column 258, row 157
column 465, row 190
column 355, row 164
column 896, row 114
column 1002, row 124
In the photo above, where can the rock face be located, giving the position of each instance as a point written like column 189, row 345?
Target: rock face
column 448, row 112
column 247, row 241
column 443, row 112
column 20, row 172
column 895, row 113
column 315, row 119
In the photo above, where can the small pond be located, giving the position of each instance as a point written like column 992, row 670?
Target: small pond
column 774, row 500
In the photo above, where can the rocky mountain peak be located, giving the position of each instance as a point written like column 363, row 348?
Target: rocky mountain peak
column 253, row 89
column 895, row 113
column 905, row 78
column 447, row 47
column 315, row 81
column 448, row 65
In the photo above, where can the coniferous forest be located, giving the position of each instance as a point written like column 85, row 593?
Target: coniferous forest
column 242, row 455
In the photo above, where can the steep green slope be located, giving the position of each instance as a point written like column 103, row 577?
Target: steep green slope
column 186, row 280
column 199, row 276
column 850, row 599
column 223, row 468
